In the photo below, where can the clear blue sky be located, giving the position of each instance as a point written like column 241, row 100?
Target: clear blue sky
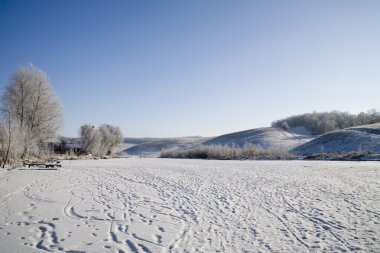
column 181, row 68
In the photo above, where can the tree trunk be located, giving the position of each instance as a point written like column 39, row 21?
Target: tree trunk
column 5, row 160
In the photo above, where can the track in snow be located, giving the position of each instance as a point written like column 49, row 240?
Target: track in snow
column 159, row 205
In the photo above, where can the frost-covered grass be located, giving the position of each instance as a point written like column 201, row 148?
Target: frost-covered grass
column 228, row 153
column 178, row 205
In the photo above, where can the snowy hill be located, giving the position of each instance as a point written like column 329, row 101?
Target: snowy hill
column 136, row 141
column 267, row 137
column 360, row 138
column 130, row 142
column 154, row 147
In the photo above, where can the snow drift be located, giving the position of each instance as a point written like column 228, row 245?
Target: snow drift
column 356, row 139
column 266, row 137
column 153, row 148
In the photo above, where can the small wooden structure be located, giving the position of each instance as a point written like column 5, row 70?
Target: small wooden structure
column 50, row 164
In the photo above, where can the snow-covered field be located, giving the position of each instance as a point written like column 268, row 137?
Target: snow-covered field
column 159, row 205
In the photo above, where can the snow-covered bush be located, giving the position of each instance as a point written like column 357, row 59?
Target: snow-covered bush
column 228, row 153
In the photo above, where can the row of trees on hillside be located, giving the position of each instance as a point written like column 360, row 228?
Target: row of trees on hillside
column 323, row 122
column 30, row 114
column 100, row 141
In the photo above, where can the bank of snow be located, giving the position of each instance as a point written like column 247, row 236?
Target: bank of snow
column 356, row 139
column 153, row 148
column 266, row 137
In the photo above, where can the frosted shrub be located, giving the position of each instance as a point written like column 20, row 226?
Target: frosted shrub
column 228, row 153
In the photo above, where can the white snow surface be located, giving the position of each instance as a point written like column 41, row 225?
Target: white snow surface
column 164, row 205
column 360, row 138
column 155, row 147
column 266, row 137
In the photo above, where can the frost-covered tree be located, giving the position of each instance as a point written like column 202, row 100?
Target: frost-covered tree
column 33, row 106
column 285, row 126
column 362, row 118
column 373, row 116
column 109, row 137
column 10, row 143
column 89, row 137
column 323, row 122
column 101, row 141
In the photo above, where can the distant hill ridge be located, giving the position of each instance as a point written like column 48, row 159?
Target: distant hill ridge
column 329, row 132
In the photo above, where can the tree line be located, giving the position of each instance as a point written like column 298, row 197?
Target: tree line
column 324, row 122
